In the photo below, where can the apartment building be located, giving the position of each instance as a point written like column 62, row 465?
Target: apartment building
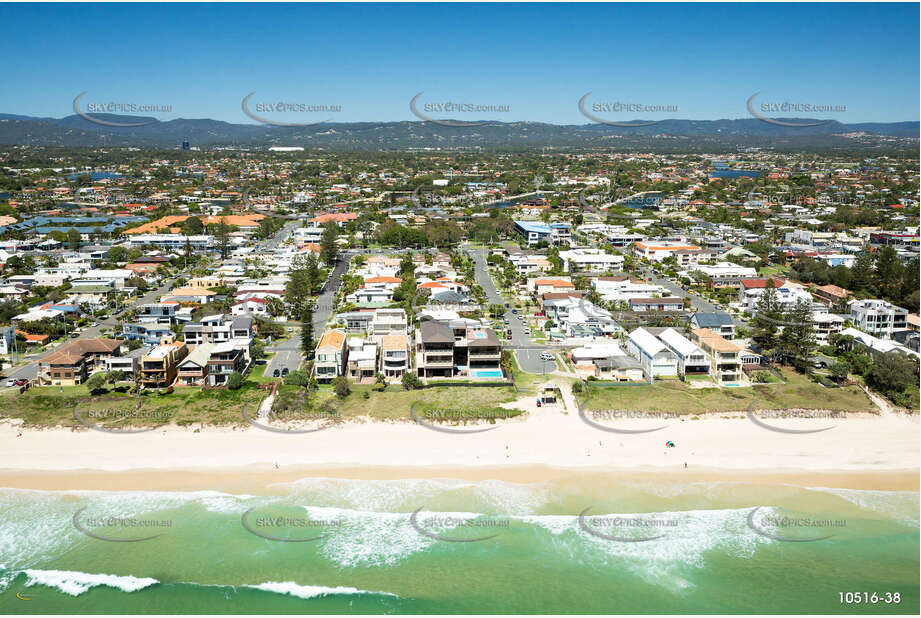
column 656, row 251
column 455, row 348
column 724, row 356
column 331, row 356
column 160, row 366
column 591, row 260
column 73, row 362
column 390, row 321
column 226, row 358
column 726, row 274
column 825, row 325
column 218, row 328
column 878, row 317
column 623, row 288
column 535, row 232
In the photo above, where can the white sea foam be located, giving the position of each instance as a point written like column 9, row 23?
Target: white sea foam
column 901, row 505
column 662, row 561
column 76, row 583
column 309, row 592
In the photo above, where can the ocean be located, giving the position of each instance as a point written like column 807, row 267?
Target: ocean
column 333, row 546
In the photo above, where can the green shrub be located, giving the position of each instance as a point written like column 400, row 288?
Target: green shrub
column 235, row 380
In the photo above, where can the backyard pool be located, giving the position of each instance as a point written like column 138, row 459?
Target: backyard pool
column 486, row 373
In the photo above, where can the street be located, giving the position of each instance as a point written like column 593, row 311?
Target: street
column 697, row 302
column 527, row 352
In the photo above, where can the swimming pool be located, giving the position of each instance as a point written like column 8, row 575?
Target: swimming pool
column 486, row 373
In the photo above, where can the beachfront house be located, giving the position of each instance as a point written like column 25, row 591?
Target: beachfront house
column 655, row 357
column 692, row 360
column 331, row 356
column 725, row 357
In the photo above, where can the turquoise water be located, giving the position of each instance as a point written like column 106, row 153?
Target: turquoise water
column 487, row 373
column 471, row 547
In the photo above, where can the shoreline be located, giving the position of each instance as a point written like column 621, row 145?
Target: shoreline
column 266, row 480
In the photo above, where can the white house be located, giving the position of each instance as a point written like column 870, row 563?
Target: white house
column 692, row 360
column 655, row 357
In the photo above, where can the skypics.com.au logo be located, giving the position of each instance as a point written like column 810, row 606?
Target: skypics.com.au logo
column 257, row 109
column 422, row 110
column 592, row 111
column 114, row 107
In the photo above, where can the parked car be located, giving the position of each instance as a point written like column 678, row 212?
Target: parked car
column 515, row 311
column 21, row 382
column 546, row 356
column 284, row 372
column 10, row 382
column 275, row 373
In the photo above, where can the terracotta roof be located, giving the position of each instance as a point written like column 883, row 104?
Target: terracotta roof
column 557, row 283
column 383, row 280
column 715, row 341
column 171, row 221
column 834, row 290
column 749, row 284
column 394, row 342
column 332, row 338
column 72, row 352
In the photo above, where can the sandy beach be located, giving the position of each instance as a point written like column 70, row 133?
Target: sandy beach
column 862, row 451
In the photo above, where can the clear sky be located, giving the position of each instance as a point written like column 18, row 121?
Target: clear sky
column 537, row 59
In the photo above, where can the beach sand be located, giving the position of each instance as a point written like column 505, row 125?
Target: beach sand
column 861, row 452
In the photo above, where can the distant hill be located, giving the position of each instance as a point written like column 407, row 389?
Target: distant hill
column 668, row 135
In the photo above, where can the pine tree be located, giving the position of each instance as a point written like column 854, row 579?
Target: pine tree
column 307, row 343
column 766, row 323
column 328, row 248
column 798, row 337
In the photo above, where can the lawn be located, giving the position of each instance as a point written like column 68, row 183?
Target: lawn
column 765, row 271
column 675, row 396
column 395, row 403
column 51, row 406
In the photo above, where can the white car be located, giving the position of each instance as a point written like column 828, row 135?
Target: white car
column 546, row 356
column 10, row 382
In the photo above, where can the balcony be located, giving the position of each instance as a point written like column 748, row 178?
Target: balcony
column 438, row 361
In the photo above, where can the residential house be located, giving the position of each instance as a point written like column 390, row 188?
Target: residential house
column 692, row 360
column 362, row 359
column 331, row 356
column 878, row 317
column 720, row 323
column 193, row 369
column 149, row 333
column 388, row 321
column 669, row 303
column 159, row 367
column 725, row 357
column 394, row 356
column 655, row 357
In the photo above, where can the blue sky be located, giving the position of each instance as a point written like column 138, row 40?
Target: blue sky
column 537, row 59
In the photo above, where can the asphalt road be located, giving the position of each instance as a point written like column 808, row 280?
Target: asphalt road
column 288, row 352
column 697, row 302
column 30, row 370
column 527, row 352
